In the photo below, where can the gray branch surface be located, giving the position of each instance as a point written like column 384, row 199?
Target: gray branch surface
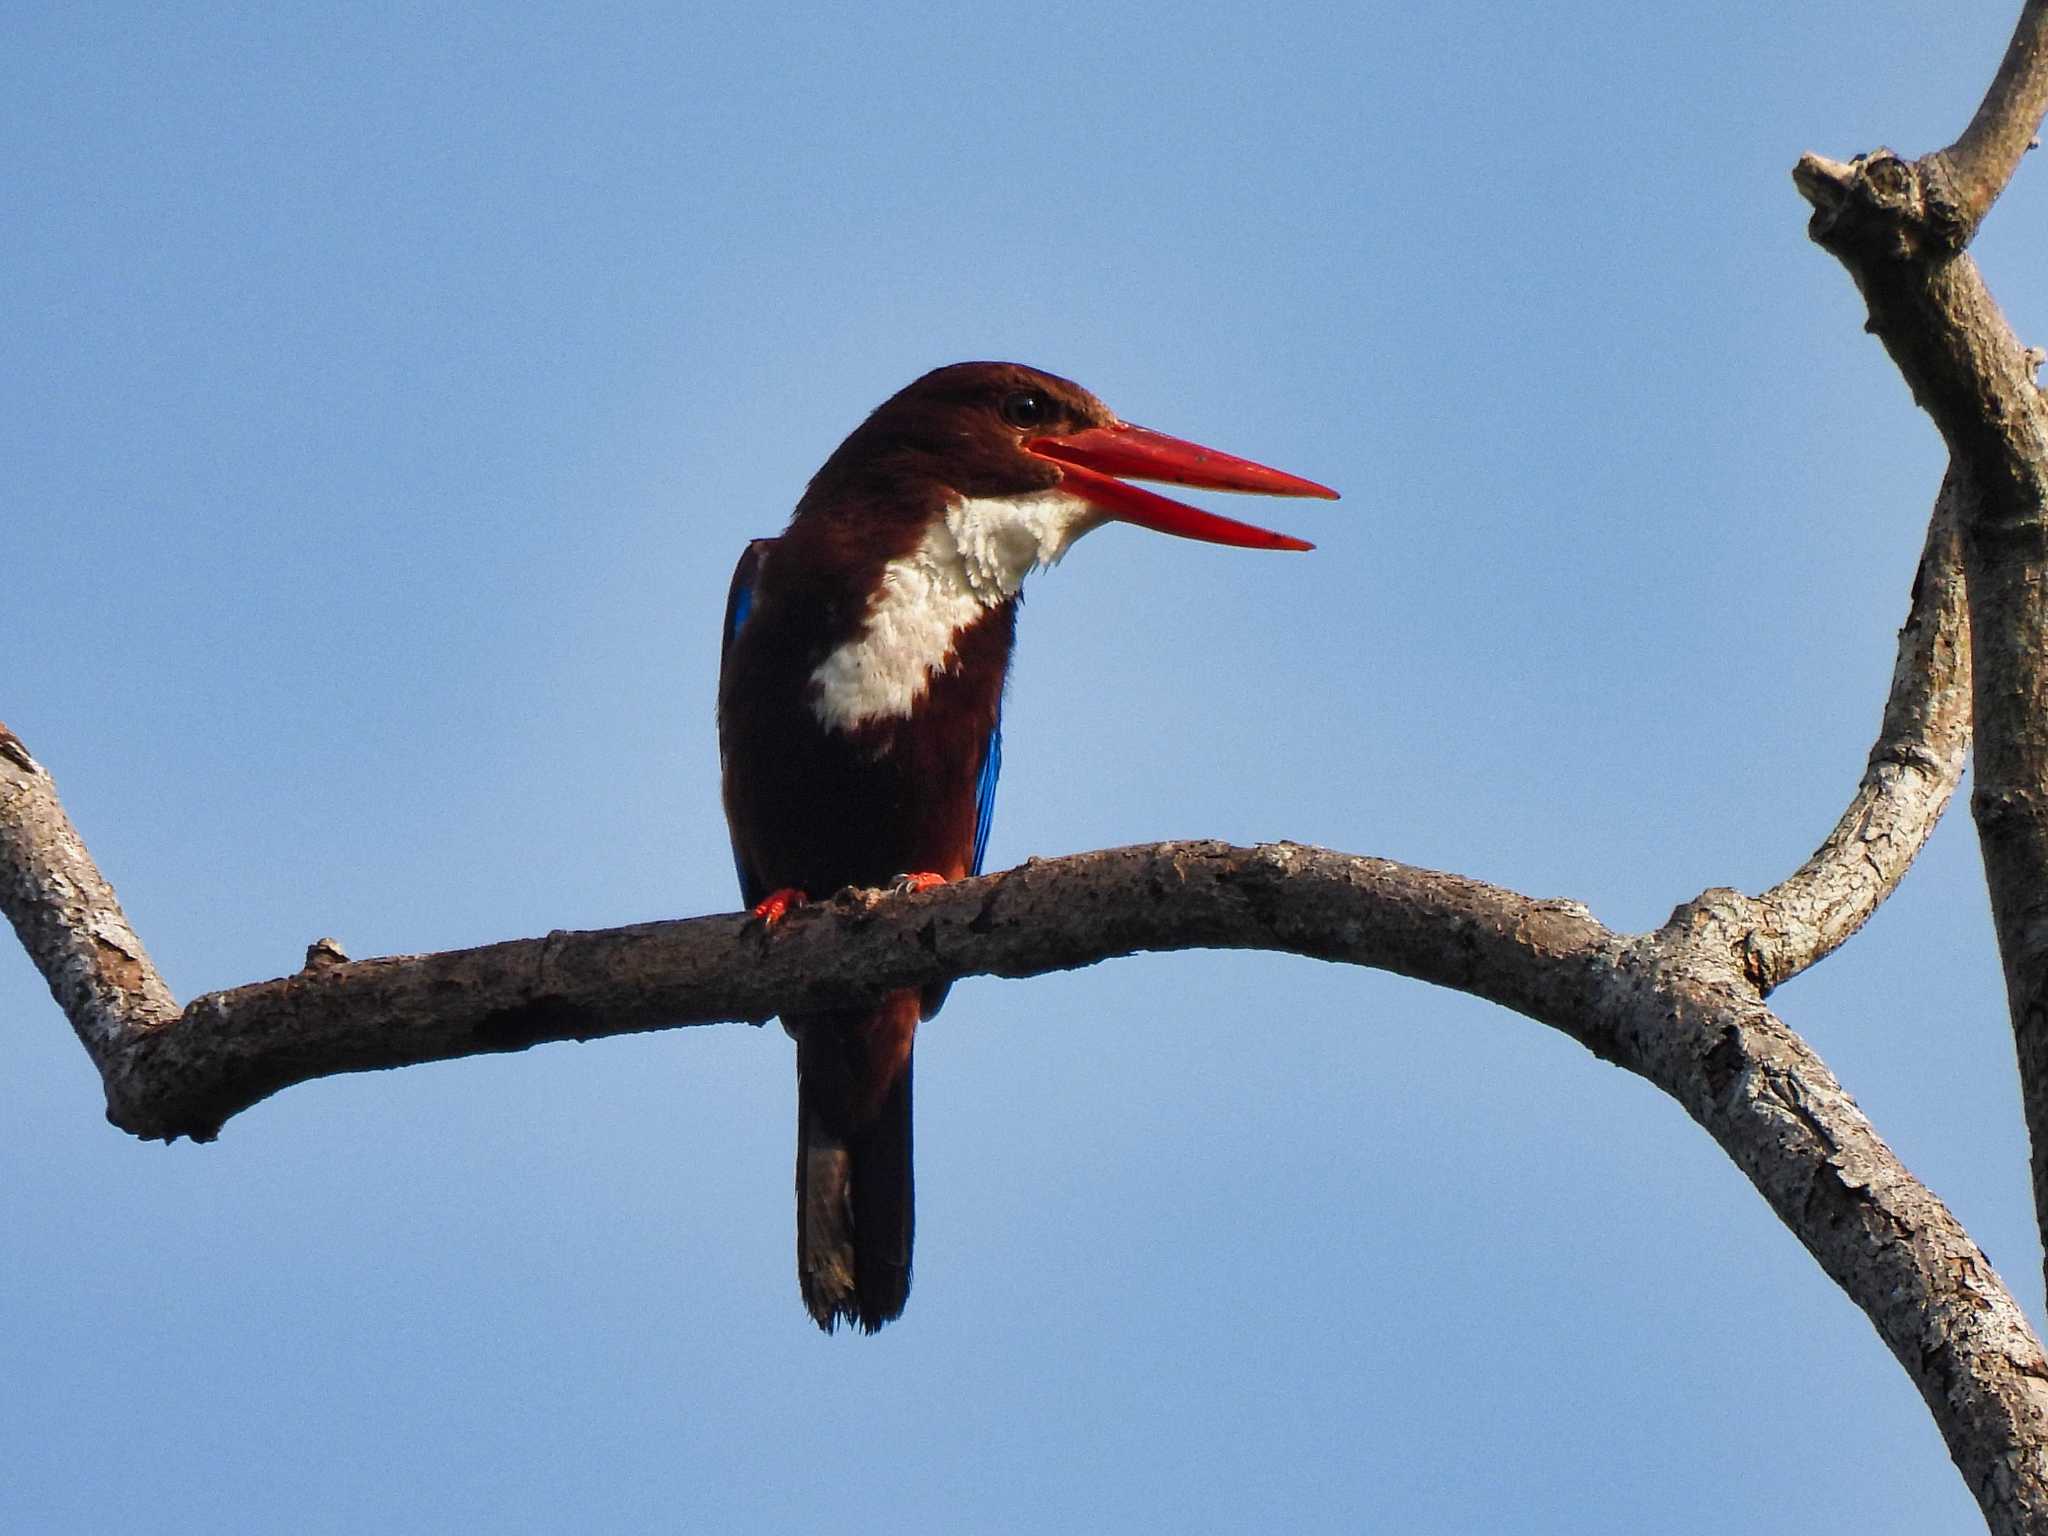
column 69, row 920
column 1913, row 768
column 1982, row 161
column 1681, row 1007
column 1901, row 228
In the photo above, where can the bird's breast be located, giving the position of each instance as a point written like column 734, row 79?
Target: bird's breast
column 970, row 561
column 922, row 604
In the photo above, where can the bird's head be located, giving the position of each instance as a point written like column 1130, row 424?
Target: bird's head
column 1018, row 463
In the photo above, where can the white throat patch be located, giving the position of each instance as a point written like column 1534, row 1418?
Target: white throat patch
column 974, row 559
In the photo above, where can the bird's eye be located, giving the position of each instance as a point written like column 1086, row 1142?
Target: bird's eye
column 1026, row 408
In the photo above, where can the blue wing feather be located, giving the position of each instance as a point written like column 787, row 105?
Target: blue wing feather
column 739, row 606
column 985, row 792
column 739, row 600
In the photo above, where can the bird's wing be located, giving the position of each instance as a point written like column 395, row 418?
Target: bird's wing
column 739, row 607
column 739, row 602
column 984, row 814
column 985, row 792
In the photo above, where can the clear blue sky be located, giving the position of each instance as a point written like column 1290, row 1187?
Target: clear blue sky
column 386, row 399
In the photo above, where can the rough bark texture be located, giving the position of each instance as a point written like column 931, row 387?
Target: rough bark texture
column 69, row 920
column 1982, row 161
column 1681, row 1007
column 234, row 1048
column 1912, row 770
column 1898, row 226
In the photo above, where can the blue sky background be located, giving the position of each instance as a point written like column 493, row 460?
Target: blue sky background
column 387, row 396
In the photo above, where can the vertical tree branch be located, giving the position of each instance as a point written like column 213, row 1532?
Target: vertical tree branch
column 1982, row 161
column 1893, row 224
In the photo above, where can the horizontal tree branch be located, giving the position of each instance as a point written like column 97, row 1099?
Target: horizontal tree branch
column 234, row 1048
column 1675, row 1007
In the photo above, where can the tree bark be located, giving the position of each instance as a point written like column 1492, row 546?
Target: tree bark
column 1899, row 226
column 1681, row 1007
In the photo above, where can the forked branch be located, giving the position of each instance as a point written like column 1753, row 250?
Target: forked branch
column 1674, row 1006
column 1893, row 224
column 1681, row 1007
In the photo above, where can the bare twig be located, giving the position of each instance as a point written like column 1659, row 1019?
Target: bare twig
column 1983, row 160
column 69, row 921
column 1913, row 768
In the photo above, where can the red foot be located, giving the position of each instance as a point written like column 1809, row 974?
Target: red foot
column 776, row 904
column 910, row 885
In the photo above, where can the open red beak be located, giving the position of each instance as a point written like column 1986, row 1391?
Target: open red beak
column 1090, row 461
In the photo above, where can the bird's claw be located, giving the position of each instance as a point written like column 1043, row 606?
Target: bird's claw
column 776, row 905
column 910, row 885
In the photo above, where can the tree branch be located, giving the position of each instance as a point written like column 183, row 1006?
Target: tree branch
column 1982, row 161
column 1891, row 223
column 1913, row 768
column 1681, row 1007
column 1674, row 1006
column 70, row 922
column 1773, row 1106
column 234, row 1048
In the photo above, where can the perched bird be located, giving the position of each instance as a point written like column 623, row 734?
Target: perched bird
column 859, row 718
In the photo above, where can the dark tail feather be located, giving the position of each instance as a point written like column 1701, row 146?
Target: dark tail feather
column 854, row 1205
column 884, row 1209
column 825, row 1263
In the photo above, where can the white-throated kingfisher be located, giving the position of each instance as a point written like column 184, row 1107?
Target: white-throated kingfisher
column 859, row 720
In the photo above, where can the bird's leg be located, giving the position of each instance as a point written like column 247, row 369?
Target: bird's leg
column 773, row 907
column 910, row 885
